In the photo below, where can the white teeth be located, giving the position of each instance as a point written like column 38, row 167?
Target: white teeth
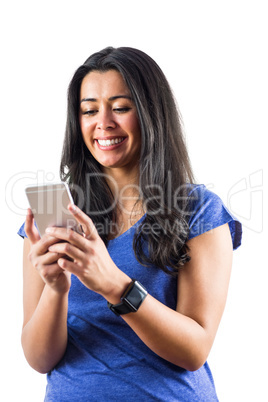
column 107, row 143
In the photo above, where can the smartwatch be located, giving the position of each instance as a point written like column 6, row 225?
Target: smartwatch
column 131, row 299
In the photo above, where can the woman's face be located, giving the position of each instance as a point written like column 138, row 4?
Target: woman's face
column 108, row 120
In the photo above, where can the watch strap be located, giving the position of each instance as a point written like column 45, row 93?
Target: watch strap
column 120, row 308
column 131, row 299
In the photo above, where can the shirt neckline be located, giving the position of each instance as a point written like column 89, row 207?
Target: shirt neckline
column 128, row 231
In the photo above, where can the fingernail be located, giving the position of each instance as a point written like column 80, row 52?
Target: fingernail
column 72, row 207
column 49, row 230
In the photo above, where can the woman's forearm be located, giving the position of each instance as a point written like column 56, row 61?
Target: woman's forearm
column 44, row 336
column 171, row 335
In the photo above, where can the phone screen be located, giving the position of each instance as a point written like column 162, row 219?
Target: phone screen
column 49, row 204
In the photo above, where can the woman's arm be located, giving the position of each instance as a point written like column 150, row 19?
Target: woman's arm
column 45, row 293
column 183, row 337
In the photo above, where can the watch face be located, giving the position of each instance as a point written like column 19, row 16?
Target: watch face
column 131, row 299
column 135, row 296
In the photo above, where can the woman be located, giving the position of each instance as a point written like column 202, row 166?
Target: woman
column 99, row 334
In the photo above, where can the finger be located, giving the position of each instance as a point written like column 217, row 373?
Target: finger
column 41, row 247
column 88, row 226
column 46, row 258
column 30, row 228
column 51, row 258
column 67, row 235
column 50, row 272
column 68, row 249
column 69, row 266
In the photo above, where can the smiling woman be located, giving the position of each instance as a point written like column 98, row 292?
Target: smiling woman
column 109, row 122
column 133, row 311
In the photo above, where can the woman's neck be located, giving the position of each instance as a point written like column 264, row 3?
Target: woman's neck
column 123, row 181
column 126, row 191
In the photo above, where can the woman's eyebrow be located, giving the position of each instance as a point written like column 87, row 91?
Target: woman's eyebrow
column 88, row 100
column 112, row 98
column 120, row 96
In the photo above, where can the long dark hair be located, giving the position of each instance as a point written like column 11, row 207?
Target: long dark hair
column 165, row 170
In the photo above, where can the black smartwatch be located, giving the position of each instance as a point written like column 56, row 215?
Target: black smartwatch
column 131, row 299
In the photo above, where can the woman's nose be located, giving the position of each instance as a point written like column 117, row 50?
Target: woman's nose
column 105, row 121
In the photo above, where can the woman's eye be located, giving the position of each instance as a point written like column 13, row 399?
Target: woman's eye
column 89, row 112
column 118, row 110
column 122, row 109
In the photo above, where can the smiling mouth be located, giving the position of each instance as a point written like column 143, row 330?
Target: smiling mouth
column 108, row 143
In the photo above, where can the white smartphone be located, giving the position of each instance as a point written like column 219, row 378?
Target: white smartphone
column 49, row 204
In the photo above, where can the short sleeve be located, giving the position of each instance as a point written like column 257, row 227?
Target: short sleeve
column 21, row 231
column 207, row 211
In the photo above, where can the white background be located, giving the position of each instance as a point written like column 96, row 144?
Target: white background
column 214, row 53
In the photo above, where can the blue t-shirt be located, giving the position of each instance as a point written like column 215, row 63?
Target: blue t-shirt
column 105, row 360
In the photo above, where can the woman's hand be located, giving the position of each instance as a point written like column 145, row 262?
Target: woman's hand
column 90, row 260
column 43, row 260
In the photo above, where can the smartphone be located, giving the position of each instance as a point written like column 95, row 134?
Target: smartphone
column 49, row 204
